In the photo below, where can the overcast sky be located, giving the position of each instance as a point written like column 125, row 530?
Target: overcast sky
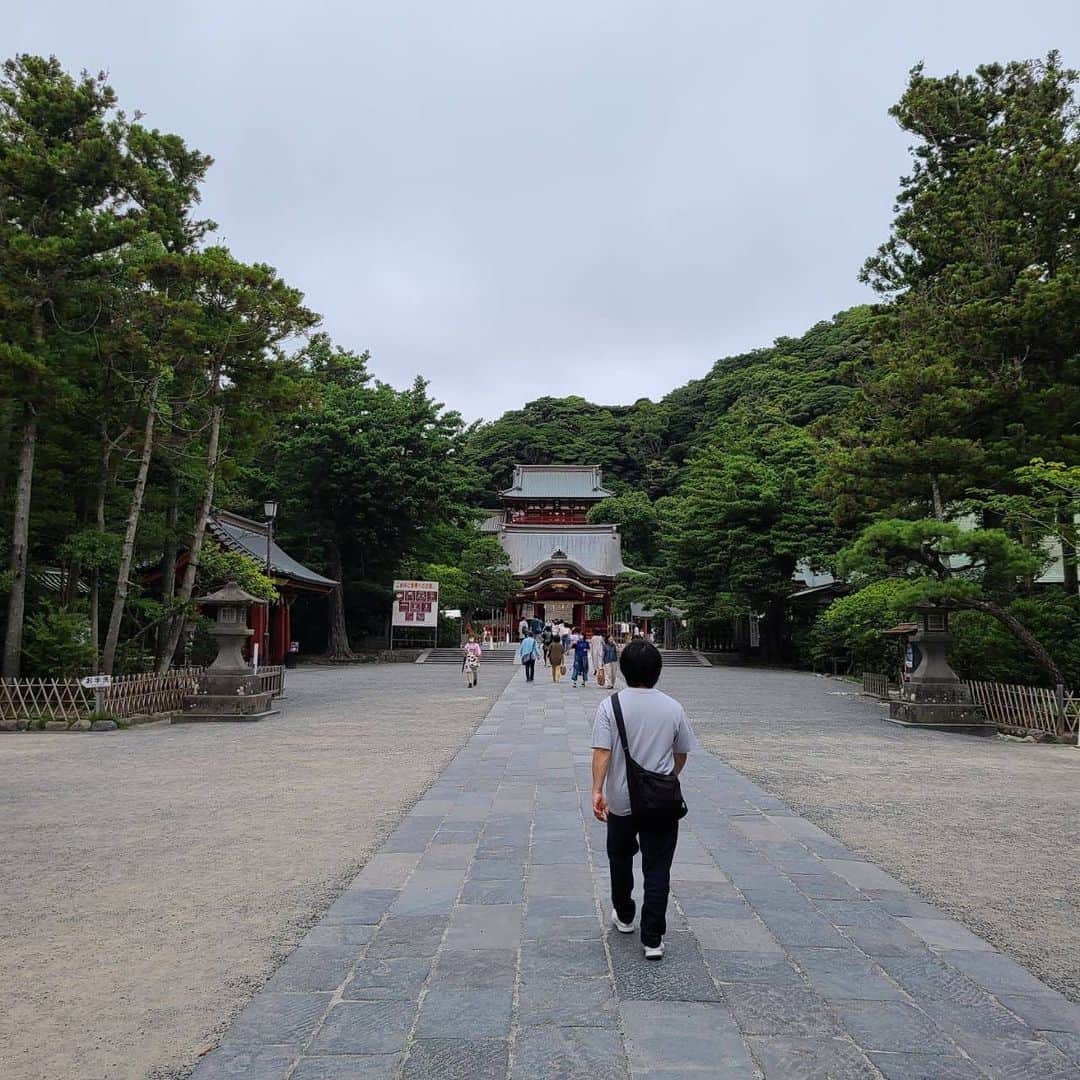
column 596, row 197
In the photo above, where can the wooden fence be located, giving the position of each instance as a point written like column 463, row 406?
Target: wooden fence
column 877, row 685
column 272, row 679
column 146, row 694
column 1029, row 708
column 1010, row 706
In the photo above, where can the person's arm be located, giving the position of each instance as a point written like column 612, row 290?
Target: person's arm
column 684, row 742
column 600, row 761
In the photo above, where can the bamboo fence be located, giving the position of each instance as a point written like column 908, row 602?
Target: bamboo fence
column 146, row 694
column 1028, row 708
column 1011, row 707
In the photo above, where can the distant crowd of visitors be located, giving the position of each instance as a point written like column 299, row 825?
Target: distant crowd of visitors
column 558, row 647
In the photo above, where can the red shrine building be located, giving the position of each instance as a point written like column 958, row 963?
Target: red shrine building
column 565, row 567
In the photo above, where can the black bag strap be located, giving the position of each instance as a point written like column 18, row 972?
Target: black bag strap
column 617, row 709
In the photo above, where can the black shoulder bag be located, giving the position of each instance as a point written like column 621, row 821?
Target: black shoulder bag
column 655, row 798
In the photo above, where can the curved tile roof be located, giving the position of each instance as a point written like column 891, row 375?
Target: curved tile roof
column 249, row 537
column 594, row 550
column 556, row 482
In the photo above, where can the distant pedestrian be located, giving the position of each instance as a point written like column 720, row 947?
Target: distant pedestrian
column 556, row 655
column 596, row 651
column 528, row 651
column 657, row 734
column 523, row 629
column 564, row 634
column 470, row 663
column 611, row 661
column 545, row 640
column 581, row 661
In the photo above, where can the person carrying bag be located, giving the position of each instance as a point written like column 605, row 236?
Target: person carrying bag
column 656, row 798
column 641, row 738
column 526, row 655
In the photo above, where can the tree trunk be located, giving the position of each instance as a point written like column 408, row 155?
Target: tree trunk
column 127, row 552
column 187, row 584
column 7, row 430
column 337, row 638
column 99, row 521
column 169, row 557
column 1018, row 631
column 20, row 537
column 71, row 583
column 1069, row 569
column 935, row 491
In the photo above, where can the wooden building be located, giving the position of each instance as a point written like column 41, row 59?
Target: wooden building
column 272, row 623
column 565, row 567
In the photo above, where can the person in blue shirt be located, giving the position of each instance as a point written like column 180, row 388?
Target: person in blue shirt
column 581, row 660
column 528, row 651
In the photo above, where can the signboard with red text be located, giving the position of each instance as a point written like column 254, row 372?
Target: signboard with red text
column 416, row 604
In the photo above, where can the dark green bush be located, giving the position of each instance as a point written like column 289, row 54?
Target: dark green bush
column 985, row 650
column 56, row 644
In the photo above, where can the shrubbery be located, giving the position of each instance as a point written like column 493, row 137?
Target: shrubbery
column 851, row 627
column 983, row 649
column 57, row 644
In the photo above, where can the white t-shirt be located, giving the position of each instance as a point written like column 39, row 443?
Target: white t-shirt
column 657, row 728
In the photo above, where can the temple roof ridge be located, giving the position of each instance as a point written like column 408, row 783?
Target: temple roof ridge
column 556, row 482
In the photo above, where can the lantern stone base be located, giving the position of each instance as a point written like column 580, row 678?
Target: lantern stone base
column 940, row 706
column 225, row 697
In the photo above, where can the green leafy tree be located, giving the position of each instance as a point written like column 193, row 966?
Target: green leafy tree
column 944, row 564
column 79, row 182
column 365, row 468
column 1046, row 506
column 245, row 314
column 851, row 626
column 977, row 358
column 472, row 568
column 639, row 526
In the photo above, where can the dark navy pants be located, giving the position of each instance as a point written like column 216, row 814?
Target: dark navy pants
column 657, row 847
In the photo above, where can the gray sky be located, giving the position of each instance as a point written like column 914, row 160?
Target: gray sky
column 597, row 197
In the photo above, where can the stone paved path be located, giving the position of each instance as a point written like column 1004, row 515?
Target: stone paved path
column 476, row 945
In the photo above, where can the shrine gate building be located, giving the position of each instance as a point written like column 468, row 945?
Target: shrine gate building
column 565, row 567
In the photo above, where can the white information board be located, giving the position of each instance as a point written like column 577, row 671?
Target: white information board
column 416, row 603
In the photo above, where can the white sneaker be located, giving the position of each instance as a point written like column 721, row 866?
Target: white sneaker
column 654, row 952
column 622, row 927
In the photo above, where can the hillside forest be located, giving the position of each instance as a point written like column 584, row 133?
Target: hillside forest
column 922, row 448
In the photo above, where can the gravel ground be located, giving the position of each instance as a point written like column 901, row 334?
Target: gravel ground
column 988, row 829
column 153, row 879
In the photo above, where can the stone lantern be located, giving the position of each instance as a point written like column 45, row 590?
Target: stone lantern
column 230, row 629
column 933, row 696
column 229, row 689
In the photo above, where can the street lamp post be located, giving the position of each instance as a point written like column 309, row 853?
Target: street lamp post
column 270, row 509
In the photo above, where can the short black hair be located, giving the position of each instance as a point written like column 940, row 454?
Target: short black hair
column 640, row 664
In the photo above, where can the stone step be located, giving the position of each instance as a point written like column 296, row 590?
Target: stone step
column 505, row 655
column 453, row 656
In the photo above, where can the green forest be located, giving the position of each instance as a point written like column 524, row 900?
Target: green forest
column 925, row 447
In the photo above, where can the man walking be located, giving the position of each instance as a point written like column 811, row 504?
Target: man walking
column 659, row 737
column 528, row 650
